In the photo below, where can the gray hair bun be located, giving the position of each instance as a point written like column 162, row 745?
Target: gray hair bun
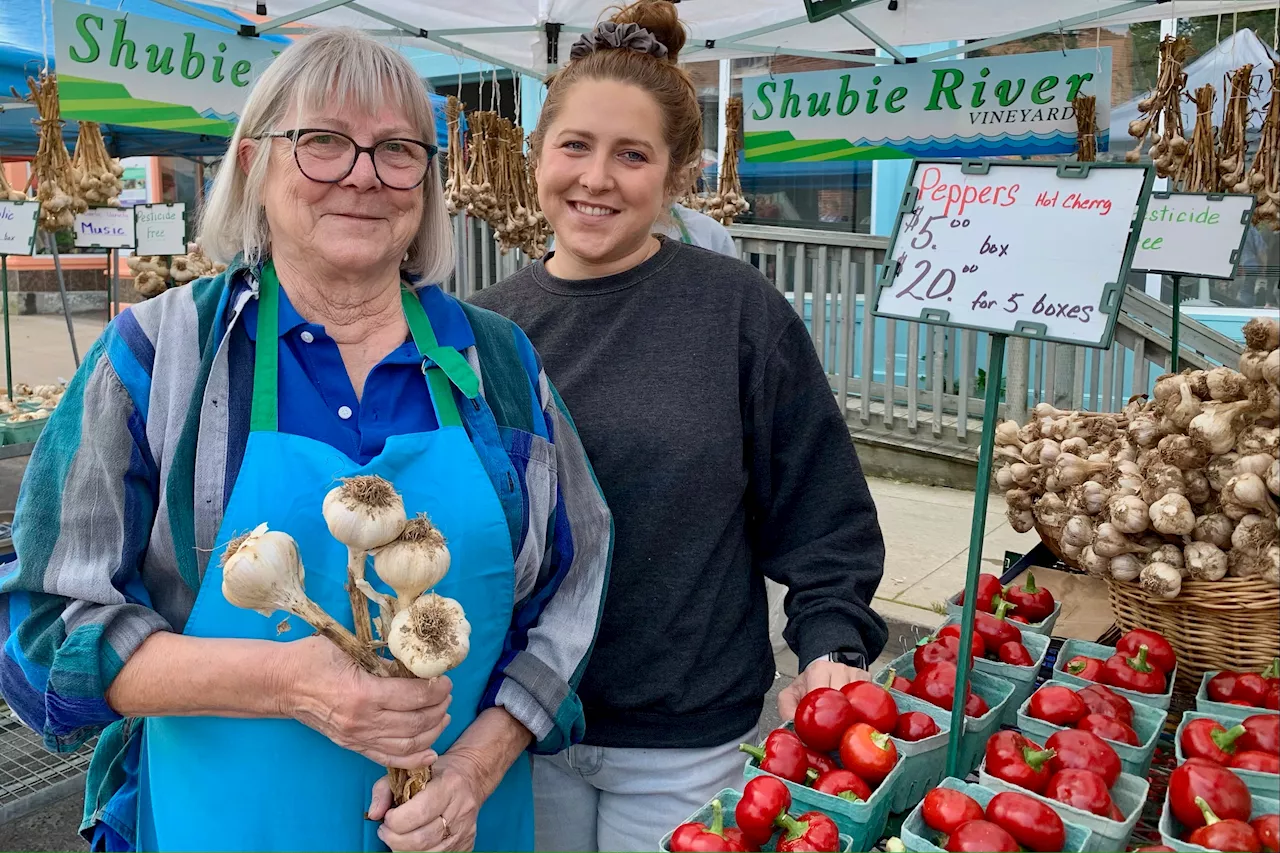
column 611, row 36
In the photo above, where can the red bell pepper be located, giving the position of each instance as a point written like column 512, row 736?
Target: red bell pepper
column 1083, row 667
column 844, row 784
column 1056, row 704
column 981, row 836
column 822, row 717
column 915, row 725
column 1015, row 654
column 1081, row 789
column 941, row 650
column 946, row 810
column 872, row 704
column 1257, row 761
column 1204, row 738
column 994, row 629
column 1100, row 699
column 1032, row 824
column 783, row 755
column 869, row 753
column 1222, row 687
column 1034, row 603
column 1159, row 848
column 1272, row 699
column 821, row 762
column 700, row 838
column 1251, row 688
column 1133, row 673
column 1018, row 761
column 975, row 706
column 975, row 642
column 902, row 685
column 812, row 832
column 1108, row 729
column 1261, row 732
column 1077, row 750
column 1159, row 653
column 1268, row 829
column 989, row 591
column 1232, row 836
column 764, row 800
column 1223, row 790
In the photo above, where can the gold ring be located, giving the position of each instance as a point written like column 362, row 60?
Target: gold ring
column 445, row 824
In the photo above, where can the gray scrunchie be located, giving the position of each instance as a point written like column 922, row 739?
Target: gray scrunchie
column 611, row 36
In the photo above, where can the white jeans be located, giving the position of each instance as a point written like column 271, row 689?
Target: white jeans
column 591, row 798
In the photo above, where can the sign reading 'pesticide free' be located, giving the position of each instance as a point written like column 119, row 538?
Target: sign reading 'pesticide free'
column 162, row 229
column 988, row 107
column 122, row 68
column 18, row 227
column 1035, row 250
column 1194, row 234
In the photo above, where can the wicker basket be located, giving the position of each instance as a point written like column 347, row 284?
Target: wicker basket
column 1212, row 625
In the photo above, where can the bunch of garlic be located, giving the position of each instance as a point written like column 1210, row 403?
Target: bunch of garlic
column 1183, row 485
column 7, row 192
column 149, row 274
column 100, row 175
column 193, row 265
column 57, row 180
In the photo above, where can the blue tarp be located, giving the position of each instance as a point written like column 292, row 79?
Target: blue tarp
column 23, row 49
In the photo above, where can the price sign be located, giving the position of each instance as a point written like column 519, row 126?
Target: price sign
column 18, row 227
column 1200, row 234
column 162, row 229
column 1028, row 249
column 105, row 228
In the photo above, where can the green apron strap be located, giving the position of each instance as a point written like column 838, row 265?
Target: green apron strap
column 265, row 415
column 685, row 236
column 450, row 367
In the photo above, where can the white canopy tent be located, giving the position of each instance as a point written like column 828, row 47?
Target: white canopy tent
column 533, row 37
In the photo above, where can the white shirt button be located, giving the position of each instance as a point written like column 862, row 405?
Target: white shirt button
column 344, row 412
column 307, row 337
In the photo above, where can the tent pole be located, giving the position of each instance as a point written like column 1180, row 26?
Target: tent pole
column 875, row 37
column 1096, row 18
column 62, row 289
column 202, row 14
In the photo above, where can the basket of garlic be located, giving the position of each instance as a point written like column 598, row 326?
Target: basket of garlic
column 1173, row 501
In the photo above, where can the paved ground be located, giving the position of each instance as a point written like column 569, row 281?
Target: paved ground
column 926, row 534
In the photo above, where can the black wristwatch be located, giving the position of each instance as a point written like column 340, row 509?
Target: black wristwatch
column 854, row 659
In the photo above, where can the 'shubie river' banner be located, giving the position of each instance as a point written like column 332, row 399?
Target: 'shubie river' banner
column 987, row 107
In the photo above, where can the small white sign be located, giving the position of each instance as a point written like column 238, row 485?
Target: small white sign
column 1198, row 234
column 18, row 227
column 162, row 229
column 1022, row 249
column 105, row 228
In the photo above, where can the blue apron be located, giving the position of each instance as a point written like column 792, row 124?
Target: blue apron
column 212, row 783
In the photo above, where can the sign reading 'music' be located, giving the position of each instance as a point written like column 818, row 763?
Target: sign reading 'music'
column 986, row 107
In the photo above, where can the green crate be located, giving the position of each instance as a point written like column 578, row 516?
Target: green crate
column 1171, row 830
column 23, row 432
column 915, row 832
column 729, row 800
column 1223, row 712
column 1071, row 648
column 1148, row 722
column 924, row 762
column 995, row 691
column 1259, row 784
column 1045, row 628
column 1129, row 794
column 1023, row 678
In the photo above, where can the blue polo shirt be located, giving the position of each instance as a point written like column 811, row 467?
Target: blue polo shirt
column 317, row 399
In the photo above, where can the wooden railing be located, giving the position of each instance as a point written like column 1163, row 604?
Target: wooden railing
column 910, row 377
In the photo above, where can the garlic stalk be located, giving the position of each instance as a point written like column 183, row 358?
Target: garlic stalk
column 414, row 562
column 1216, row 427
column 1250, row 492
column 262, row 571
column 1215, row 529
column 1161, row 580
column 1071, row 470
column 1172, row 515
column 1128, row 514
column 1205, row 561
column 363, row 513
column 1126, row 567
column 1108, row 541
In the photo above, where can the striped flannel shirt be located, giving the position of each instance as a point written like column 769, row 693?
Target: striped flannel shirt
column 126, row 490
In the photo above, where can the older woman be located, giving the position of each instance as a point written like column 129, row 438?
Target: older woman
column 242, row 399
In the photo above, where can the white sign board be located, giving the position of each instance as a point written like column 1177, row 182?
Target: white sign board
column 1198, row 234
column 18, row 227
column 105, row 228
column 162, row 229
column 1028, row 249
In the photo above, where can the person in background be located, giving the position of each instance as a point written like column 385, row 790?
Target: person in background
column 711, row 426
column 695, row 228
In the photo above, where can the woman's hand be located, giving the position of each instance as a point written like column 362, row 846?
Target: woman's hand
column 442, row 816
column 820, row 673
column 392, row 721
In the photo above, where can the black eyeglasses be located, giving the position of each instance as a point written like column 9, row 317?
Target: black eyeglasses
column 327, row 157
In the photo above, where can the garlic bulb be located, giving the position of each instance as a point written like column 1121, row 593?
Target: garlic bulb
column 1198, row 491
column 1205, row 561
column 1023, row 474
column 1051, row 511
column 1198, row 380
column 1184, row 409
column 1007, row 434
column 1181, row 452
column 1076, row 445
column 1217, row 426
column 1019, row 500
column 1162, row 480
column 1220, row 469
column 1126, row 567
column 1161, row 580
column 1273, row 477
column 1128, row 514
column 1020, row 520
column 1004, row 478
column 1271, row 368
column 1262, row 333
column 1172, row 515
column 1250, row 492
column 1271, row 565
column 1071, row 470
column 1246, row 564
column 1078, row 531
column 1094, row 497
column 1225, row 385
column 364, row 513
column 1071, row 552
column 431, row 636
column 1093, row 563
column 1251, row 363
column 1110, row 542
column 414, row 562
column 1032, row 453
column 1253, row 533
column 1168, row 553
column 1258, row 440
column 1145, row 430
column 1215, row 529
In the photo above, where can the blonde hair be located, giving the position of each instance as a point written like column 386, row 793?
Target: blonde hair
column 341, row 68
column 665, row 81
